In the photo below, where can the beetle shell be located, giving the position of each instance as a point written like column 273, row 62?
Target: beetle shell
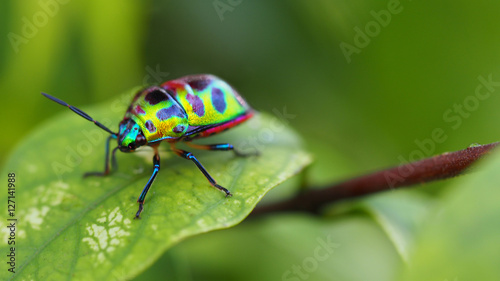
column 188, row 107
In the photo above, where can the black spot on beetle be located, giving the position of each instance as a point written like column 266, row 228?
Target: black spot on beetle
column 156, row 97
column 218, row 100
column 178, row 129
column 150, row 126
column 199, row 84
column 167, row 113
column 196, row 104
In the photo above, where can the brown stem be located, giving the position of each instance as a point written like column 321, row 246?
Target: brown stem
column 442, row 166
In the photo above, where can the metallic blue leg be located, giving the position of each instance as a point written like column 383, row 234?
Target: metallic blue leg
column 114, row 165
column 142, row 197
column 221, row 147
column 106, row 160
column 189, row 156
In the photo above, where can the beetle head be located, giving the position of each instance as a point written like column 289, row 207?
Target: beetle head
column 130, row 136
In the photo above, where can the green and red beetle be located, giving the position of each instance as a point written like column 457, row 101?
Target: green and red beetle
column 184, row 109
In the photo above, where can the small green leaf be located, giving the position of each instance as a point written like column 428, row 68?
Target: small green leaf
column 289, row 247
column 83, row 229
column 459, row 242
column 399, row 213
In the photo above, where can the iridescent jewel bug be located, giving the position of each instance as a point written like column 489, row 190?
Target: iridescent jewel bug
column 180, row 110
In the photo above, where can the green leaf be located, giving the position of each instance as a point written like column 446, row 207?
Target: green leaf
column 460, row 239
column 287, row 247
column 83, row 229
column 399, row 213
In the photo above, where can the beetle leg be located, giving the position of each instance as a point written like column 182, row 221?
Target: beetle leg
column 114, row 165
column 189, row 156
column 106, row 161
column 223, row 147
column 142, row 197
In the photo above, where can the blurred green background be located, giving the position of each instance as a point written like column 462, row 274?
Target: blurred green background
column 356, row 114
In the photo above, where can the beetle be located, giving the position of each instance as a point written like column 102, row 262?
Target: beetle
column 179, row 110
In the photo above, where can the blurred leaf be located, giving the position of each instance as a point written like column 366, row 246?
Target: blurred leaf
column 460, row 242
column 399, row 213
column 330, row 163
column 286, row 247
column 83, row 229
column 114, row 62
column 77, row 49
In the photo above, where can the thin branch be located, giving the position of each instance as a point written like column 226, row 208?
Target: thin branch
column 442, row 166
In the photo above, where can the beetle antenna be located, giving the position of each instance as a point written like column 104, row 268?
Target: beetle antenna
column 79, row 112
